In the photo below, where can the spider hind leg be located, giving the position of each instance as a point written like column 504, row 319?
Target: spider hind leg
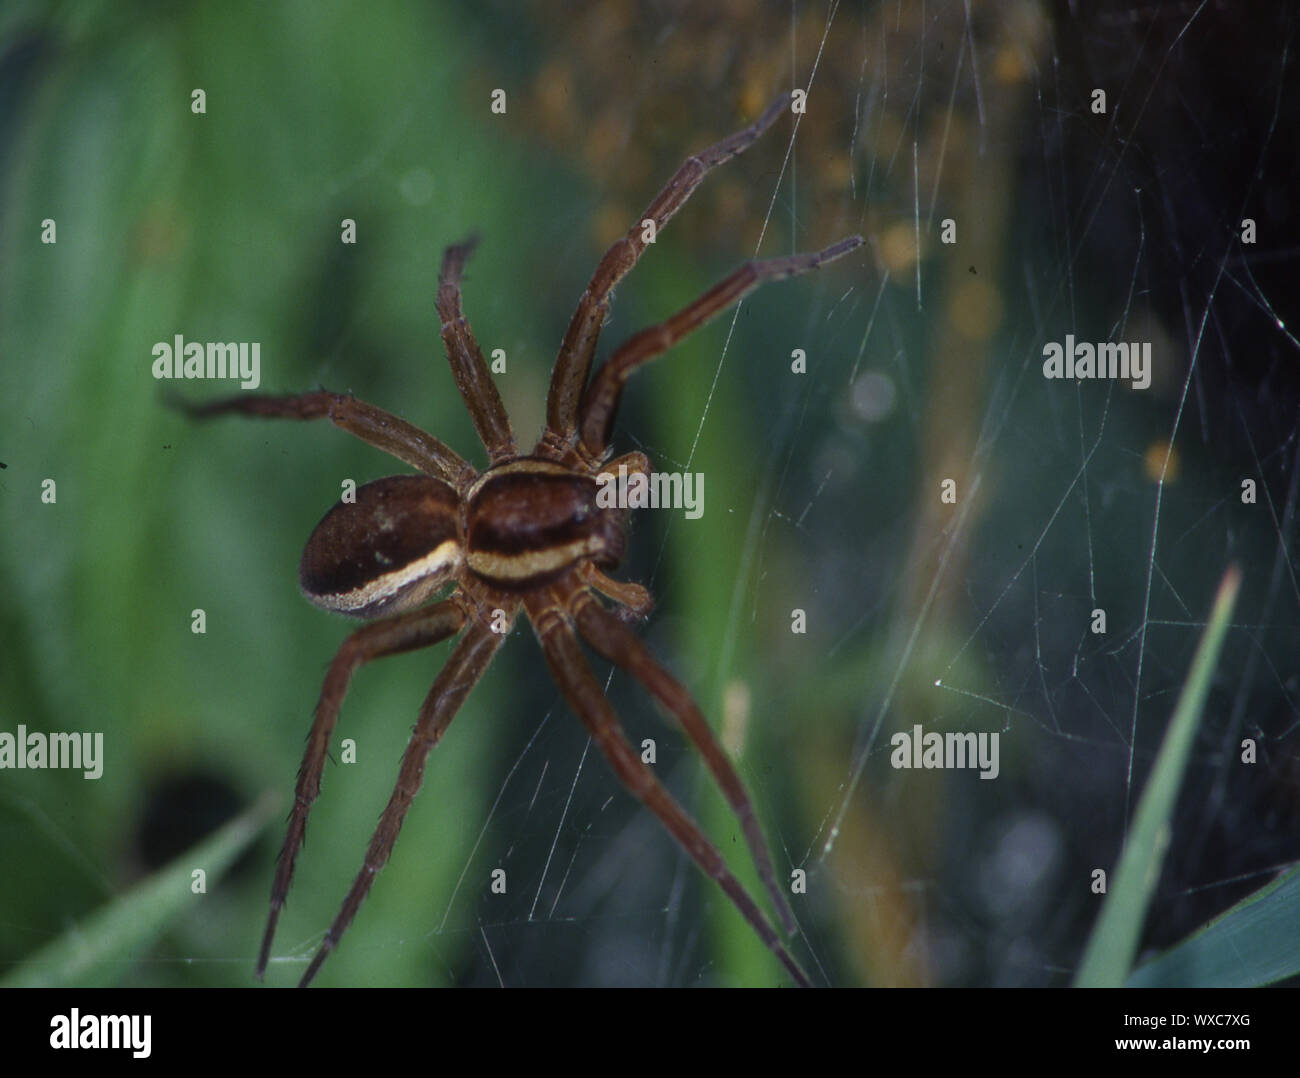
column 405, row 632
column 466, row 664
column 614, row 641
column 574, row 677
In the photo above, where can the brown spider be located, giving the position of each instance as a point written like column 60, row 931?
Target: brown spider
column 526, row 532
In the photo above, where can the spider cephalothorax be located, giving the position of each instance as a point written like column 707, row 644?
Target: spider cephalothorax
column 527, row 533
column 529, row 521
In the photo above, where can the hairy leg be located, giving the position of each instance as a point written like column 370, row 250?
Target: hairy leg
column 468, row 367
column 461, row 673
column 372, row 425
column 573, row 364
column 580, row 688
column 406, row 632
column 600, row 402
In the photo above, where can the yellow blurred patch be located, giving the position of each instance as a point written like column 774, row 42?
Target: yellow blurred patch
column 898, row 247
column 1161, row 458
column 975, row 309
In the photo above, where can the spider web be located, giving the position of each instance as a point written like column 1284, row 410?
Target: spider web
column 1122, row 221
column 1074, row 498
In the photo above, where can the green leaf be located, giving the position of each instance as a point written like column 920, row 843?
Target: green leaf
column 1109, row 955
column 1254, row 943
column 93, row 952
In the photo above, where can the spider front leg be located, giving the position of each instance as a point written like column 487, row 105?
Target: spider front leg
column 405, row 632
column 573, row 364
column 600, row 402
column 583, row 692
column 374, row 426
column 466, row 664
column 468, row 367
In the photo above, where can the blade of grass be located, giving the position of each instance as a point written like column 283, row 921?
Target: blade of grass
column 1109, row 954
column 1254, row 943
column 93, row 952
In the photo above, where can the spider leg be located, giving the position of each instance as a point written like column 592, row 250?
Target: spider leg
column 580, row 688
column 600, row 402
column 406, row 632
column 573, row 363
column 372, row 425
column 468, row 367
column 636, row 602
column 464, row 667
column 611, row 639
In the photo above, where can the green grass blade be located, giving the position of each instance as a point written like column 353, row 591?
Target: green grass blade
column 1254, row 943
column 92, row 953
column 1109, row 955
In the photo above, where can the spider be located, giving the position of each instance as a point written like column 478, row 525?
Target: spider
column 527, row 534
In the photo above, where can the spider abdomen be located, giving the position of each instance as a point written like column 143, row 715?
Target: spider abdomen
column 530, row 519
column 388, row 551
